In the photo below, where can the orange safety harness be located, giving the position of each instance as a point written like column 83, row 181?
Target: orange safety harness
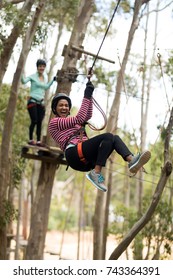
column 80, row 153
column 79, row 145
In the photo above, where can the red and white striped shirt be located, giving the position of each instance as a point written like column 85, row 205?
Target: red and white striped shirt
column 62, row 130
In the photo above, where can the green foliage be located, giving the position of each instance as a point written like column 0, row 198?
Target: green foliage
column 123, row 220
column 20, row 131
column 19, row 137
column 156, row 160
column 169, row 66
column 63, row 174
column 8, row 16
column 125, row 6
column 18, row 166
column 9, row 213
column 58, row 11
column 4, row 96
column 101, row 77
column 106, row 8
column 59, row 206
column 11, row 16
column 58, row 215
column 104, row 77
column 100, row 19
column 41, row 35
column 158, row 229
column 21, row 120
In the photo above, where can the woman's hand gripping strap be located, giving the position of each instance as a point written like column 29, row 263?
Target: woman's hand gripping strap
column 89, row 86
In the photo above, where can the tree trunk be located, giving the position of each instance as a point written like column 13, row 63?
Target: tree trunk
column 10, row 42
column 71, row 57
column 166, row 172
column 114, row 112
column 64, row 85
column 53, row 58
column 138, row 245
column 52, row 64
column 108, row 199
column 98, row 222
column 81, row 215
column 39, row 213
column 8, row 123
column 146, row 86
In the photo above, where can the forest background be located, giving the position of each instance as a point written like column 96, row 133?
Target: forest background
column 135, row 93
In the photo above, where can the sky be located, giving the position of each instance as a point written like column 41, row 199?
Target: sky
column 113, row 48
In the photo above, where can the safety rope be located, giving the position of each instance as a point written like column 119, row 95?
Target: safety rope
column 95, row 103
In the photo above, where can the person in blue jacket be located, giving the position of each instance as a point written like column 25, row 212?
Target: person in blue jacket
column 35, row 103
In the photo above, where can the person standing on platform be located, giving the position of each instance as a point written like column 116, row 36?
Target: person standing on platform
column 35, row 103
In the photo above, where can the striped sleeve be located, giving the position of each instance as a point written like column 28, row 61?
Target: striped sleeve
column 62, row 129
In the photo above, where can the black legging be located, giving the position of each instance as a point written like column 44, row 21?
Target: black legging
column 96, row 151
column 37, row 113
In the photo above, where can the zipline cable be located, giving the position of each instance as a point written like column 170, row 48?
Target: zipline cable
column 105, row 34
column 169, row 103
column 91, row 68
column 127, row 99
column 160, row 64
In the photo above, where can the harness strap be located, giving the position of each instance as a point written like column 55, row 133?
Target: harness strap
column 32, row 99
column 30, row 105
column 80, row 132
column 80, row 153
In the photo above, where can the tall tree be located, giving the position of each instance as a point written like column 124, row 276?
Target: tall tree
column 8, row 123
column 40, row 209
column 9, row 43
column 62, row 19
column 111, row 127
column 146, row 86
column 165, row 174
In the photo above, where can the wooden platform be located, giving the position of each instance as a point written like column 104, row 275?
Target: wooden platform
column 48, row 154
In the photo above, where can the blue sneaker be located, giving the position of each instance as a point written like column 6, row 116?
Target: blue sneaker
column 97, row 180
column 138, row 161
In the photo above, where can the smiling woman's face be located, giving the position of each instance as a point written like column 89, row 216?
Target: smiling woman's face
column 62, row 108
column 41, row 69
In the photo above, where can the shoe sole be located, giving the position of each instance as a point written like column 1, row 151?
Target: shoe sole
column 99, row 188
column 144, row 158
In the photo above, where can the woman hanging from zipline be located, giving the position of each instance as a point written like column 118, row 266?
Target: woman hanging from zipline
column 82, row 153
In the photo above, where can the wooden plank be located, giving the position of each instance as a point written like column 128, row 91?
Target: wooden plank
column 35, row 147
column 46, row 148
column 55, row 149
column 44, row 158
column 92, row 54
column 43, row 154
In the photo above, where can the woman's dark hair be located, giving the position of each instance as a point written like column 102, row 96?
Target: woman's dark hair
column 40, row 62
